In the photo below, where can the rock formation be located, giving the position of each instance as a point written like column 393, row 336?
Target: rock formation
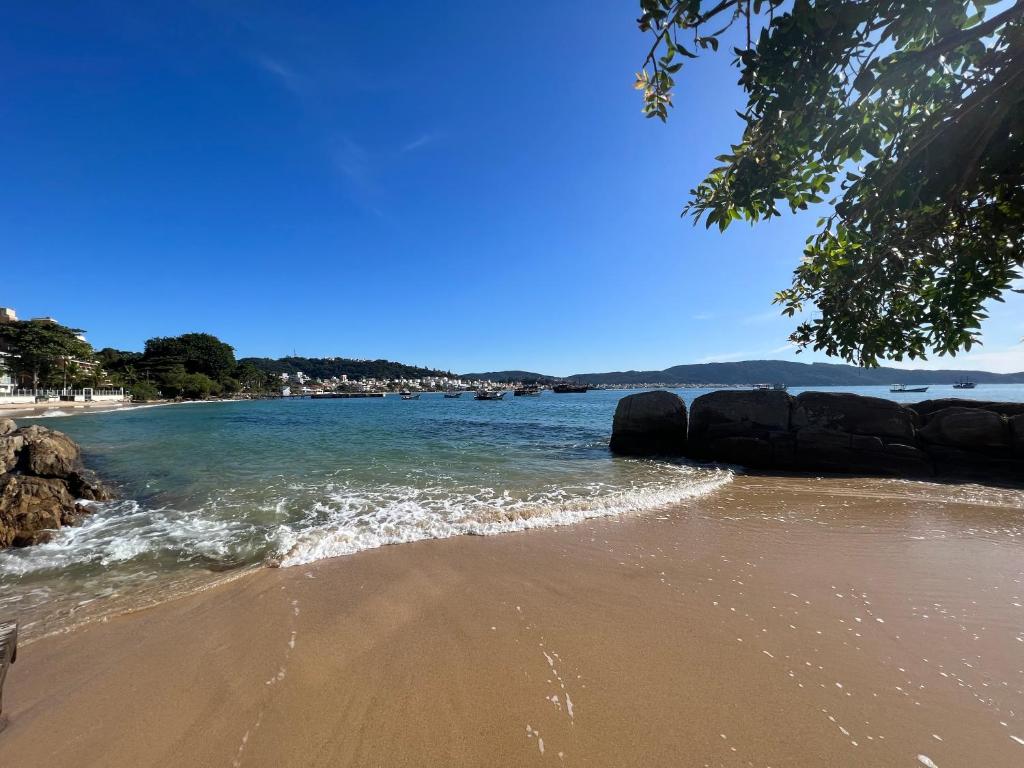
column 42, row 484
column 832, row 432
column 650, row 423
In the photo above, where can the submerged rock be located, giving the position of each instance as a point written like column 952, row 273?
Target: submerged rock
column 649, row 423
column 41, row 481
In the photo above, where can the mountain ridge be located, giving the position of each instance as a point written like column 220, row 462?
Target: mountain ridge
column 771, row 371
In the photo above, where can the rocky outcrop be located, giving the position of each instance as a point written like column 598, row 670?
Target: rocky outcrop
column 650, row 423
column 842, row 432
column 855, row 414
column 42, row 484
column 743, row 425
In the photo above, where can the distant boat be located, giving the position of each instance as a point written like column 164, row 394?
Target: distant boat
column 905, row 388
column 531, row 390
column 771, row 387
column 569, row 388
column 453, row 393
column 410, row 396
column 964, row 384
column 488, row 394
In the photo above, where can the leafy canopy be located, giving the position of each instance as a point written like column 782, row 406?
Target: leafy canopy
column 907, row 118
column 39, row 347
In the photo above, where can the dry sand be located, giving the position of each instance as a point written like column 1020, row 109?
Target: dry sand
column 776, row 622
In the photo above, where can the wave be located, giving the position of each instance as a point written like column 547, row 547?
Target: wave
column 298, row 523
column 353, row 522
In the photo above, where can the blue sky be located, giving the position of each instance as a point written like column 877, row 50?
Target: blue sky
column 425, row 184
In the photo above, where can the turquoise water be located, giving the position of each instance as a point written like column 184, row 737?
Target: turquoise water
column 210, row 490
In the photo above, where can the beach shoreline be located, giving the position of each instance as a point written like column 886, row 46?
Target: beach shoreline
column 878, row 615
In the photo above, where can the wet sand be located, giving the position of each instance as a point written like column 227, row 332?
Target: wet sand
column 775, row 622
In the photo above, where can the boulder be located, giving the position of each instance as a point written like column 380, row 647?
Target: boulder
column 753, row 452
column 10, row 451
column 972, row 429
column 47, row 453
column 736, row 413
column 7, row 426
column 649, row 423
column 41, row 477
column 832, row 450
column 855, row 414
column 927, row 407
column 31, row 506
column 1017, row 435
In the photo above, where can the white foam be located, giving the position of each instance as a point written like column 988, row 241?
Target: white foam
column 357, row 520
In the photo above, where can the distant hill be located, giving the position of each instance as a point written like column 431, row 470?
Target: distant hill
column 793, row 375
column 327, row 367
column 505, row 376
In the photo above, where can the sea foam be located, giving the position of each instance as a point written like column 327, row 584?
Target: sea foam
column 354, row 520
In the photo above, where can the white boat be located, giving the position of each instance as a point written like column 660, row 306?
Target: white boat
column 411, row 396
column 905, row 388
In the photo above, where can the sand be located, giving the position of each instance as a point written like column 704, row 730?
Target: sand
column 776, row 622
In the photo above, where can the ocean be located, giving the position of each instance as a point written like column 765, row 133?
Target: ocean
column 209, row 491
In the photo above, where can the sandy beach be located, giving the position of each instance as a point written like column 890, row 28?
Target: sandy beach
column 775, row 622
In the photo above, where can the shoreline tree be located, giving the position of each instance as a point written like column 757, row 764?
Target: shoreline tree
column 906, row 118
column 43, row 349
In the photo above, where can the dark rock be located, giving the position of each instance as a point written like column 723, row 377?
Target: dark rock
column 650, row 423
column 1017, row 435
column 835, row 451
column 972, row 465
column 855, row 414
column 969, row 428
column 736, row 413
column 748, row 451
column 908, row 460
column 812, row 440
column 783, row 449
column 867, row 443
column 927, row 407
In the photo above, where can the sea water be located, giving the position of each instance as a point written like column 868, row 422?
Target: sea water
column 207, row 491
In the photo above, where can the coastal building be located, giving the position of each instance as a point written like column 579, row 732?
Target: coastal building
column 7, row 315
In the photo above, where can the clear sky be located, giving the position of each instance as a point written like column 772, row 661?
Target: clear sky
column 412, row 180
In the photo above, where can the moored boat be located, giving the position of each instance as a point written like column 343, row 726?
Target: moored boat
column 453, row 393
column 489, row 394
column 905, row 388
column 530, row 390
column 411, row 396
column 569, row 388
column 965, row 384
column 777, row 387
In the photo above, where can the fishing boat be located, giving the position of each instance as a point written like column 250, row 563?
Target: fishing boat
column 569, row 388
column 964, row 384
column 453, row 393
column 530, row 390
column 411, row 396
column 488, row 394
column 905, row 388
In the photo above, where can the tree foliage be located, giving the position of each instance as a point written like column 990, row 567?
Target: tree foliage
column 197, row 352
column 42, row 348
column 906, row 118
